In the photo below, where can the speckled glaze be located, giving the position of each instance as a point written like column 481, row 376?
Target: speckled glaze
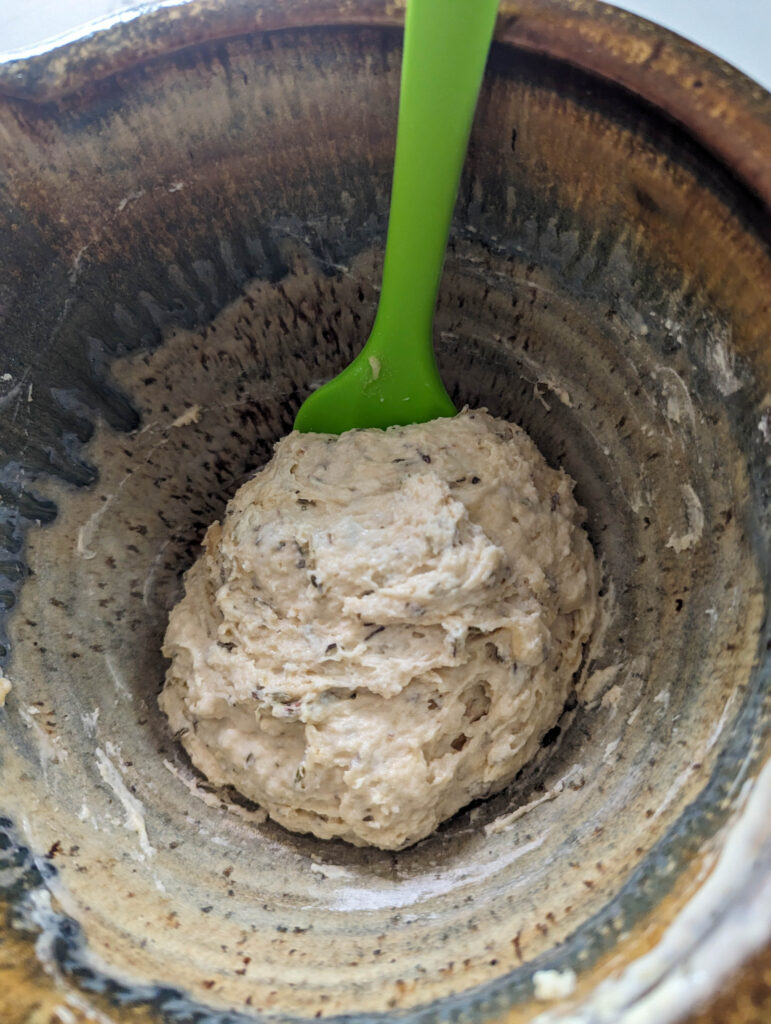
column 192, row 213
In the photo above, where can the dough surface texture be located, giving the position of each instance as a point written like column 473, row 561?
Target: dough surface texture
column 384, row 626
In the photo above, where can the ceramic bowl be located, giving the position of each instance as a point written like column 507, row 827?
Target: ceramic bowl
column 192, row 212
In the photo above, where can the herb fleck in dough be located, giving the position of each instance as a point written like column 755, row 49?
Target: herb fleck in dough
column 384, row 626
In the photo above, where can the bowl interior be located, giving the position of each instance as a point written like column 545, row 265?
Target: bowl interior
column 188, row 247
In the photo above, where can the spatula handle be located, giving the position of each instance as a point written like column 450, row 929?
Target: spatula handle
column 445, row 48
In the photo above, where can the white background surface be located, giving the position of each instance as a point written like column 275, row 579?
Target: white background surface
column 739, row 31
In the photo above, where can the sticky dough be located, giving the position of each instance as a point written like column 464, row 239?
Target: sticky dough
column 384, row 626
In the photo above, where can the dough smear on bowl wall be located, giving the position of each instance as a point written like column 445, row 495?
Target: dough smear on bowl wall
column 384, row 628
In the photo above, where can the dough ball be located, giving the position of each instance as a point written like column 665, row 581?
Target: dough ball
column 384, row 626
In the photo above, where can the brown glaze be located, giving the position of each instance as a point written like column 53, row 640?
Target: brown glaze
column 725, row 110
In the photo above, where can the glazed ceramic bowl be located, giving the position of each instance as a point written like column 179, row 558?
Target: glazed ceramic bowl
column 192, row 214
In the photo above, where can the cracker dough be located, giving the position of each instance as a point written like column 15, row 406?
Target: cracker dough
column 384, row 626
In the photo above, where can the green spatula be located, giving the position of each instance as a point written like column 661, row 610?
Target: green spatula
column 394, row 379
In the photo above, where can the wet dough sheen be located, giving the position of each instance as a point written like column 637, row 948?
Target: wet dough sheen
column 383, row 627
